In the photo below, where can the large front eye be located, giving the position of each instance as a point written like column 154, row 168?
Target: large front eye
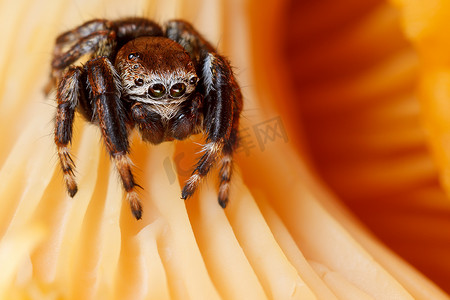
column 177, row 90
column 157, row 90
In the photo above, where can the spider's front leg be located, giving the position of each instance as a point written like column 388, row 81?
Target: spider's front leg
column 112, row 117
column 221, row 108
column 223, row 105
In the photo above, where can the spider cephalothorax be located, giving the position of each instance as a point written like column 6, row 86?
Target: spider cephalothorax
column 168, row 83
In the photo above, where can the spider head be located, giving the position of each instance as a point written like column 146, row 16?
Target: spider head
column 156, row 70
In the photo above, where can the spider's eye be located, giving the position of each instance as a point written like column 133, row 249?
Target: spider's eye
column 177, row 90
column 157, row 90
column 139, row 82
column 193, row 80
column 133, row 56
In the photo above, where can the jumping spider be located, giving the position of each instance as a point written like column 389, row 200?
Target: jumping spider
column 168, row 82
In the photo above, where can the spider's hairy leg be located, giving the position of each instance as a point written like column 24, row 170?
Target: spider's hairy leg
column 223, row 105
column 112, row 117
column 67, row 96
column 131, row 28
column 226, row 168
column 65, row 45
column 100, row 43
column 211, row 151
column 185, row 34
column 233, row 139
column 78, row 33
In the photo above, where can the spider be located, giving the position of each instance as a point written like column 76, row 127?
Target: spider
column 167, row 82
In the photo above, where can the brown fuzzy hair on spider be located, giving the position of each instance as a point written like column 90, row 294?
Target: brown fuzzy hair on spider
column 168, row 83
